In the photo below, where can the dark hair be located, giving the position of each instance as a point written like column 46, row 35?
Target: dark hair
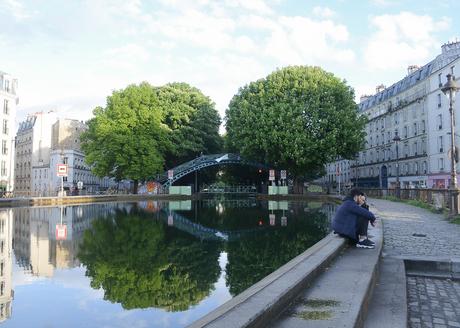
column 355, row 192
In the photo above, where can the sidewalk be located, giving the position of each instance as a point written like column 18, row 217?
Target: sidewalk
column 417, row 234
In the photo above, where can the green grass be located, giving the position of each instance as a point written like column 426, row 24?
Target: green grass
column 415, row 202
column 455, row 220
column 314, row 315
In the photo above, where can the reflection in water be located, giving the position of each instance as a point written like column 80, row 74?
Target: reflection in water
column 178, row 257
column 6, row 240
column 140, row 262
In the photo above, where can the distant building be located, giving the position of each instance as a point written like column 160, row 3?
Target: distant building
column 33, row 141
column 416, row 110
column 8, row 103
column 66, row 149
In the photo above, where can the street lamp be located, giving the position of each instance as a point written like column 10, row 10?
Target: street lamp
column 397, row 139
column 449, row 89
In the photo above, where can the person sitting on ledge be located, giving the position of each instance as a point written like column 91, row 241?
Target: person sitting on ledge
column 352, row 219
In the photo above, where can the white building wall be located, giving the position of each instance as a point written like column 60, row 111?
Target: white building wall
column 416, row 109
column 8, row 103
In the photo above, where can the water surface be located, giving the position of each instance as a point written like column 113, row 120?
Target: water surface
column 146, row 264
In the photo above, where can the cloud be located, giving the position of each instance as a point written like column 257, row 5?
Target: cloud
column 301, row 40
column 323, row 12
column 258, row 6
column 16, row 9
column 402, row 39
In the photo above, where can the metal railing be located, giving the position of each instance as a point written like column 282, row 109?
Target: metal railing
column 438, row 198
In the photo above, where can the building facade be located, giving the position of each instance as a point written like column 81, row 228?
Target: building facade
column 416, row 110
column 33, row 144
column 8, row 103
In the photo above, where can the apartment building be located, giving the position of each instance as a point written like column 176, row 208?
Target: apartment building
column 8, row 103
column 33, row 142
column 416, row 110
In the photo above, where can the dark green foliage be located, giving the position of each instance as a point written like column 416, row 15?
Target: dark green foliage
column 297, row 118
column 141, row 263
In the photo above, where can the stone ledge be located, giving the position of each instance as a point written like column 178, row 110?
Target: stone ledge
column 261, row 303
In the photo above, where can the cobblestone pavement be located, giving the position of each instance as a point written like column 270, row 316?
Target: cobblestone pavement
column 412, row 232
column 433, row 303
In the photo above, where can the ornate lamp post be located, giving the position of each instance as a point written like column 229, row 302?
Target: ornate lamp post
column 449, row 89
column 397, row 139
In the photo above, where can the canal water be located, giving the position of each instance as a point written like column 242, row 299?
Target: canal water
column 145, row 264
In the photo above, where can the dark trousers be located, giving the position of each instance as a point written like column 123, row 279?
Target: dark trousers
column 361, row 227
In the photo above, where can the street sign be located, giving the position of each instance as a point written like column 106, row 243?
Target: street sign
column 283, row 174
column 170, row 174
column 272, row 219
column 271, row 175
column 61, row 232
column 80, row 185
column 62, row 170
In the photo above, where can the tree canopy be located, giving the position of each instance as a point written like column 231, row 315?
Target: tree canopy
column 143, row 127
column 297, row 118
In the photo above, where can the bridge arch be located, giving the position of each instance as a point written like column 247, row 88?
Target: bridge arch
column 206, row 161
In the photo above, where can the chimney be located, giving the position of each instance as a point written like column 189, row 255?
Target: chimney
column 379, row 88
column 411, row 69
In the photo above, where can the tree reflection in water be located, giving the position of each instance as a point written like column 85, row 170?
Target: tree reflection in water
column 140, row 262
column 251, row 258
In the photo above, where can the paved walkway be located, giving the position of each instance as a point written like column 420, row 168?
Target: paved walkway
column 412, row 232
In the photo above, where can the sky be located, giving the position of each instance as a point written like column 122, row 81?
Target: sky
column 70, row 55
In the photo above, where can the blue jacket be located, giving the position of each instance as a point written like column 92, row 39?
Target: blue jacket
column 346, row 216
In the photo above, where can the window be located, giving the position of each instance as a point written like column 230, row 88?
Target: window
column 441, row 164
column 439, row 100
column 4, row 148
column 405, row 132
column 423, row 126
column 440, row 121
column 440, row 79
column 440, row 144
column 425, row 167
column 416, row 168
column 5, row 126
column 65, row 160
column 3, row 168
column 452, row 72
column 6, row 109
column 415, row 129
column 415, row 148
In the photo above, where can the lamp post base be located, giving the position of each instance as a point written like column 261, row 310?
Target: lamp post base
column 453, row 202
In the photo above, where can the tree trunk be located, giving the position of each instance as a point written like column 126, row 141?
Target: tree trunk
column 135, row 186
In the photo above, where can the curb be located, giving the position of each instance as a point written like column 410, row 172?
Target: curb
column 261, row 303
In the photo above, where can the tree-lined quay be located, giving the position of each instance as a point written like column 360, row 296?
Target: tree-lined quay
column 297, row 119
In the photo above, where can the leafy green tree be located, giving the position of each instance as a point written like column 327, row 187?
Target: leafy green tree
column 141, row 263
column 143, row 127
column 297, row 118
column 193, row 119
column 127, row 139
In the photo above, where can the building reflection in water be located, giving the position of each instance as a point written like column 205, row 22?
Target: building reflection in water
column 36, row 247
column 6, row 241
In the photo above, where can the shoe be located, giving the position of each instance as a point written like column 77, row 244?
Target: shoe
column 371, row 241
column 366, row 243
